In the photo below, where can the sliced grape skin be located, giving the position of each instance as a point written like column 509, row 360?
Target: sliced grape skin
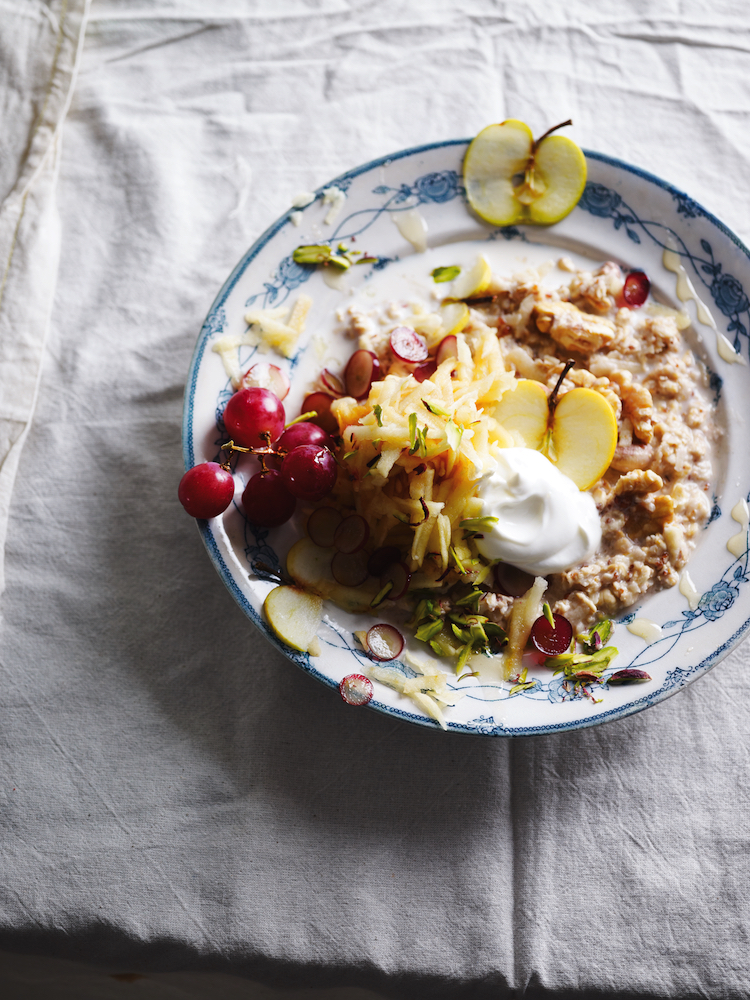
column 399, row 575
column 425, row 371
column 309, row 472
column 636, row 288
column 254, row 417
column 384, row 642
column 448, row 348
column 356, row 689
column 320, row 402
column 332, row 382
column 206, row 490
column 305, row 432
column 408, row 345
column 322, row 524
column 266, row 501
column 266, row 376
column 552, row 641
column 511, row 581
column 349, row 568
column 362, row 369
column 352, row 534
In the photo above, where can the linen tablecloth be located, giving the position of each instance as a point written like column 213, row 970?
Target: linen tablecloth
column 174, row 794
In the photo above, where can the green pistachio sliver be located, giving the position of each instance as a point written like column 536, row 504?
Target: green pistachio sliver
column 381, row 595
column 316, row 253
column 523, row 686
column 459, row 564
column 453, row 435
column 428, row 631
column 441, row 274
column 478, row 523
column 378, row 411
column 463, row 656
column 433, row 408
column 547, row 611
column 472, row 596
column 339, row 262
column 412, row 433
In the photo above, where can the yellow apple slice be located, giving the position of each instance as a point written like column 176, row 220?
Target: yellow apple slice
column 474, row 281
column 524, row 410
column 494, row 158
column 453, row 316
column 583, row 436
column 561, row 167
column 309, row 565
column 294, row 615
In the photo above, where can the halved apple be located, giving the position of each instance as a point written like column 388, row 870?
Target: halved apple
column 579, row 436
column 509, row 178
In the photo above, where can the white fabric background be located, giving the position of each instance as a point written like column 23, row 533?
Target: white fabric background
column 174, row 794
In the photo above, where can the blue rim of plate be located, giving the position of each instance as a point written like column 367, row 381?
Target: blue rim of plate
column 303, row 659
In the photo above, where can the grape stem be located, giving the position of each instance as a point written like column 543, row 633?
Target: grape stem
column 231, row 447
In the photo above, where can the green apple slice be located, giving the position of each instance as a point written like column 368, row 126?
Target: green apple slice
column 494, row 158
column 309, row 565
column 583, row 436
column 294, row 615
column 561, row 167
column 525, row 411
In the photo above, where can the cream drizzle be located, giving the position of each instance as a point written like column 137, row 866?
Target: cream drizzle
column 686, row 290
column 644, row 628
column 688, row 589
column 412, row 227
column 737, row 544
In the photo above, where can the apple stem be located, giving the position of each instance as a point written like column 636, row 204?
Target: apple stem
column 552, row 401
column 551, row 130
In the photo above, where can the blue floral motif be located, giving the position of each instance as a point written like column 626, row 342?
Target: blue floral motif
column 262, row 558
column 440, row 186
column 509, row 233
column 686, row 206
column 215, row 322
column 729, row 295
column 599, row 200
column 717, row 600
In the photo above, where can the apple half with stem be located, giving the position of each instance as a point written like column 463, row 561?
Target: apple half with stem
column 577, row 432
column 510, row 178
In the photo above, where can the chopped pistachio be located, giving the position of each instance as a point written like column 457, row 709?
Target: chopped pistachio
column 441, row 274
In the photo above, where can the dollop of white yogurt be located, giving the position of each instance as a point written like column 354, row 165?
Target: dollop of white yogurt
column 545, row 523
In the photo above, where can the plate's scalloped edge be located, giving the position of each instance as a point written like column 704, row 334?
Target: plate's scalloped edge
column 302, row 659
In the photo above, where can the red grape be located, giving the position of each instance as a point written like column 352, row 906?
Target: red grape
column 266, row 376
column 206, row 490
column 332, row 383
column 351, row 534
column 309, row 472
column 321, row 403
column 267, row 501
column 304, row 432
column 552, row 641
column 448, row 348
column 407, row 345
column 384, row 642
column 425, row 371
column 251, row 414
column 363, row 368
column 636, row 288
column 399, row 575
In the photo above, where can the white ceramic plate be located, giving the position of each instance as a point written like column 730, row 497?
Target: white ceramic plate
column 625, row 215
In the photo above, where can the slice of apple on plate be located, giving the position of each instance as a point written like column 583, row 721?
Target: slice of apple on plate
column 510, row 178
column 294, row 616
column 578, row 433
column 309, row 565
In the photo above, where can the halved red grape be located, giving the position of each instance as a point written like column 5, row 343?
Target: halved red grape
column 552, row 641
column 322, row 524
column 425, row 371
column 332, row 383
column 636, row 288
column 321, row 403
column 266, row 376
column 349, row 568
column 511, row 581
column 309, row 472
column 399, row 575
column 382, row 558
column 408, row 345
column 448, row 348
column 253, row 417
column 305, row 432
column 206, row 490
column 363, row 368
column 384, row 642
column 356, row 689
column 351, row 534
column 267, row 501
